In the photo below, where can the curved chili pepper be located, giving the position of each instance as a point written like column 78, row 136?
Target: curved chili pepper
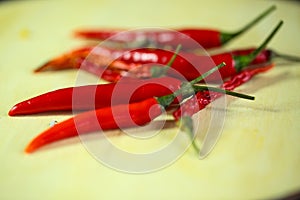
column 96, row 96
column 203, row 98
column 106, row 120
column 207, row 38
column 113, row 117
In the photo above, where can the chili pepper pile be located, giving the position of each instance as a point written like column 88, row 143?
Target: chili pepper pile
column 156, row 77
column 113, row 117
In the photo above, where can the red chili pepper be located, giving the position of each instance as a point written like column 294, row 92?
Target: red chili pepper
column 207, row 38
column 113, row 117
column 203, row 98
column 106, row 119
column 96, row 96
column 128, row 60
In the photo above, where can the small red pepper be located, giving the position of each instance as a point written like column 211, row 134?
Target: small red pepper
column 106, row 120
column 96, row 96
column 207, row 38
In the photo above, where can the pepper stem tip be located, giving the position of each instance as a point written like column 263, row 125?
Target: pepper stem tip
column 226, row 37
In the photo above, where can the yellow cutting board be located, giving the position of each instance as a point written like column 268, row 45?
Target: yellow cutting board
column 256, row 157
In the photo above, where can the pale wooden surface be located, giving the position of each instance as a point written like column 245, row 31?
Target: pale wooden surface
column 257, row 155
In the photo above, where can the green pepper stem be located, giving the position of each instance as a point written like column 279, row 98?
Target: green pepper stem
column 158, row 71
column 242, row 61
column 186, row 122
column 285, row 56
column 186, row 88
column 203, row 76
column 220, row 90
column 226, row 37
column 170, row 63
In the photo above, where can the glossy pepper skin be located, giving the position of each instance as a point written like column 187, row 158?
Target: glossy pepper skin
column 186, row 65
column 203, row 98
column 264, row 57
column 102, row 119
column 96, row 96
column 189, row 38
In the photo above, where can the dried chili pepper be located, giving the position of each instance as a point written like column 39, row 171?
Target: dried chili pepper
column 112, row 117
column 75, row 58
column 203, row 98
column 207, row 38
column 183, row 115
